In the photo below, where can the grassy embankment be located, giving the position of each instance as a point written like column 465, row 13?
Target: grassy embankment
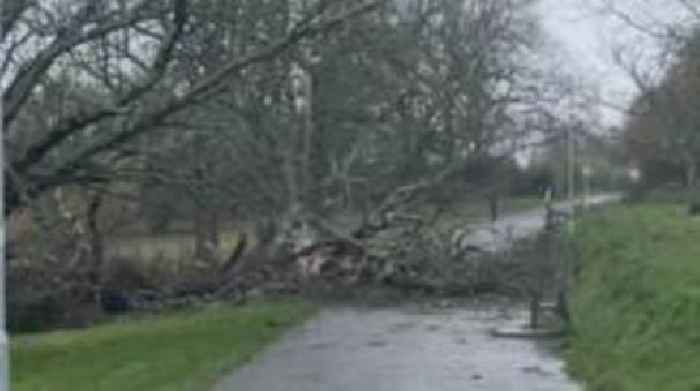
column 186, row 351
column 636, row 304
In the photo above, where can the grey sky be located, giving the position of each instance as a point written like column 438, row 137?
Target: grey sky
column 587, row 39
column 585, row 44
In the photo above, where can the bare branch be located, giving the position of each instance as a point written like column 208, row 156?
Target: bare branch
column 12, row 11
column 69, row 126
column 10, row 52
column 68, row 38
column 214, row 83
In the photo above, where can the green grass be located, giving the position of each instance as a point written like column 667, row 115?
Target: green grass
column 636, row 304
column 186, row 351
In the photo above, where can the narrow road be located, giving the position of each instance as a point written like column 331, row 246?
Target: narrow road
column 499, row 235
column 403, row 349
column 413, row 349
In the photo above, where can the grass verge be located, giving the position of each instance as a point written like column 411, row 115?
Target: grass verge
column 636, row 304
column 184, row 351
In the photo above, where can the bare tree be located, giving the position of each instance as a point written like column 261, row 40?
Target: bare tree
column 662, row 127
column 40, row 39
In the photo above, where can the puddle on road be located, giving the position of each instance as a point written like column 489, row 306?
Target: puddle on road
column 400, row 327
column 321, row 345
column 377, row 344
column 461, row 341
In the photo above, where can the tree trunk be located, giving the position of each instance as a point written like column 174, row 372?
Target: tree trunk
column 562, row 307
column 690, row 172
column 309, row 132
column 200, row 233
column 96, row 248
column 534, row 312
column 493, row 205
column 15, row 194
column 206, row 232
column 95, row 235
column 213, row 228
column 691, row 179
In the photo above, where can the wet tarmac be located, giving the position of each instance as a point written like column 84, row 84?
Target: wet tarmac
column 405, row 349
column 410, row 349
column 500, row 235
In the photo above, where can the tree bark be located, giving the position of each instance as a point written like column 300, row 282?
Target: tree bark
column 493, row 205
column 12, row 199
column 96, row 240
column 213, row 228
column 534, row 312
column 200, row 233
column 690, row 172
column 691, row 180
column 206, row 232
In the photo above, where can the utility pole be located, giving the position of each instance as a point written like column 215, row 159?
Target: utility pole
column 4, row 341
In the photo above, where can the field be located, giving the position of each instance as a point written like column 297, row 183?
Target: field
column 178, row 352
column 636, row 305
column 180, row 246
column 169, row 246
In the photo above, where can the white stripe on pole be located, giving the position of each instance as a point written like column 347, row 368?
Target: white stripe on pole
column 4, row 340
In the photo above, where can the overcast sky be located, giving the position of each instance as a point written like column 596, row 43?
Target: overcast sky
column 587, row 39
column 585, row 45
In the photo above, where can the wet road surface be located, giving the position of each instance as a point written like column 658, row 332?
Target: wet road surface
column 406, row 349
column 499, row 235
column 403, row 349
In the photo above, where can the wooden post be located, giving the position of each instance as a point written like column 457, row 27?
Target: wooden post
column 534, row 311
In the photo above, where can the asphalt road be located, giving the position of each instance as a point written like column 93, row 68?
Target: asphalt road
column 403, row 349
column 408, row 349
column 499, row 235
